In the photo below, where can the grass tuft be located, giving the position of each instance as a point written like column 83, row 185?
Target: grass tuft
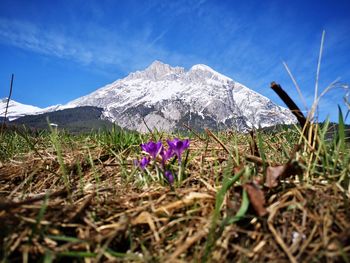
column 84, row 199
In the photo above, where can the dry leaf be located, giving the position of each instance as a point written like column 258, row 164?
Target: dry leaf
column 272, row 175
column 275, row 173
column 256, row 197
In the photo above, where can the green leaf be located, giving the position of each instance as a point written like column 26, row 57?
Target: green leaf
column 341, row 130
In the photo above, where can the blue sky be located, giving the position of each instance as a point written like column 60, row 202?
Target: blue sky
column 60, row 50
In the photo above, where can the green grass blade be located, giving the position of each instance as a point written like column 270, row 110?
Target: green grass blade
column 55, row 140
column 77, row 254
column 48, row 257
column 341, row 130
column 242, row 210
column 339, row 147
column 261, row 149
column 39, row 217
column 66, row 239
column 228, row 182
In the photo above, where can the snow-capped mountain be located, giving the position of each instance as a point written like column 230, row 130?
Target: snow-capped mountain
column 16, row 110
column 167, row 97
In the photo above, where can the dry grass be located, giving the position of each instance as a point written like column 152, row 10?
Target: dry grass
column 107, row 215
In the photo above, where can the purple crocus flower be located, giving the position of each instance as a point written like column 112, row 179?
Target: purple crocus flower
column 144, row 162
column 178, row 146
column 152, row 148
column 166, row 155
column 169, row 176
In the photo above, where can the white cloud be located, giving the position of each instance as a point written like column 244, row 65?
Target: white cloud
column 28, row 36
column 99, row 47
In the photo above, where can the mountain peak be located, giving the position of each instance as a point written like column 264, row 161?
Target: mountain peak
column 209, row 72
column 202, row 67
column 157, row 63
column 157, row 71
column 159, row 67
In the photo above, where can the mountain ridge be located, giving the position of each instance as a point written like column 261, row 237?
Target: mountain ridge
column 166, row 97
column 162, row 95
column 74, row 120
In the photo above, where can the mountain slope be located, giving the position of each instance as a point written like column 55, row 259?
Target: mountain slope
column 74, row 120
column 167, row 97
column 16, row 109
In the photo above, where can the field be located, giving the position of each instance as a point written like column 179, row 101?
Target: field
column 267, row 196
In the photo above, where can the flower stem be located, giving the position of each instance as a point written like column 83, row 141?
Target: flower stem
column 158, row 174
column 179, row 175
column 149, row 174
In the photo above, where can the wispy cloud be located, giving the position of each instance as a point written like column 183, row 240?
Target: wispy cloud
column 100, row 47
column 31, row 37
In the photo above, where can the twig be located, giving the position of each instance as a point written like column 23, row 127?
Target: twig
column 304, row 123
column 277, row 237
column 218, row 140
column 149, row 130
column 81, row 208
column 280, row 241
column 8, row 101
column 253, row 146
column 191, row 130
column 256, row 159
column 187, row 244
column 11, row 205
column 290, row 103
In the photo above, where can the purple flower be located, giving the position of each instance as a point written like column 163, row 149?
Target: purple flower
column 178, row 146
column 169, row 176
column 144, row 162
column 152, row 148
column 166, row 155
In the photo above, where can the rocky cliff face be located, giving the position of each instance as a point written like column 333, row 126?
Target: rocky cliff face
column 166, row 97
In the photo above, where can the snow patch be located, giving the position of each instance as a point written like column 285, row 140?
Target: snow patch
column 16, row 110
column 202, row 67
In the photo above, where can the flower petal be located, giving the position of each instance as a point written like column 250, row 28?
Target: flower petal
column 169, row 176
column 152, row 148
column 144, row 162
column 178, row 146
